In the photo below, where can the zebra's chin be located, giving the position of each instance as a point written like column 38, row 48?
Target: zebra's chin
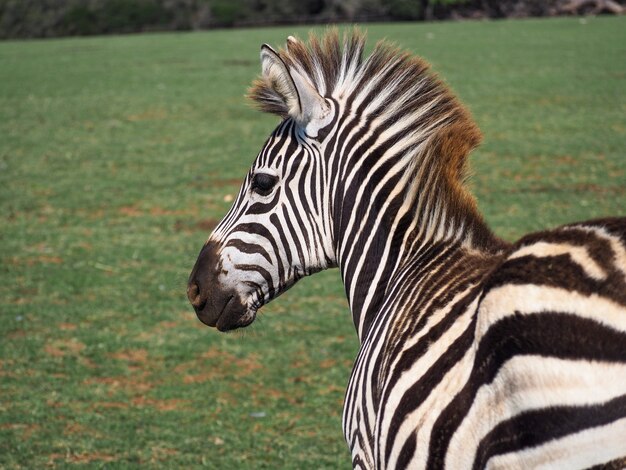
column 232, row 315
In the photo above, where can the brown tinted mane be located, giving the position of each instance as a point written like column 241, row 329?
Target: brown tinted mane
column 441, row 130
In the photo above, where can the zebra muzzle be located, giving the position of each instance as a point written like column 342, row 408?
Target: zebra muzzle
column 214, row 305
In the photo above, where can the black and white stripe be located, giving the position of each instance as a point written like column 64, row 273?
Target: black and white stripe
column 474, row 353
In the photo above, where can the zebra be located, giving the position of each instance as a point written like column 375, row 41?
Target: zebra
column 474, row 352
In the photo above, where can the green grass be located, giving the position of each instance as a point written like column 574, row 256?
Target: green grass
column 118, row 153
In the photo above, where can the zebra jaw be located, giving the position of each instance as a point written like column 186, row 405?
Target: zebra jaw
column 216, row 305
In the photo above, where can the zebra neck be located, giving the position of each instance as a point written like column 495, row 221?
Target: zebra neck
column 385, row 230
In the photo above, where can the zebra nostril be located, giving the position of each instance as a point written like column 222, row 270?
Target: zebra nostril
column 193, row 294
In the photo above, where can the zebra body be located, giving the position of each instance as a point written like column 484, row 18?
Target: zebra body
column 474, row 353
column 524, row 351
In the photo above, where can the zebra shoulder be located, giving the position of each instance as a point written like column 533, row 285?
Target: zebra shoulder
column 574, row 274
column 550, row 363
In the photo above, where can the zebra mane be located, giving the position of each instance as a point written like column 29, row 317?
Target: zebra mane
column 399, row 90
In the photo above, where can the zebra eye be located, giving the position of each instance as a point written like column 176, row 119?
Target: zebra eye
column 262, row 183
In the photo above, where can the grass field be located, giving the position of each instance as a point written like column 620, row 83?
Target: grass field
column 118, row 155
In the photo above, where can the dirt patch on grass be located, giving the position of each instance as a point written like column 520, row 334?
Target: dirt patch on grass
column 222, row 183
column 141, row 401
column 156, row 211
column 84, row 245
column 33, row 261
column 44, row 259
column 134, row 384
column 596, row 188
column 201, row 377
column 328, row 363
column 17, row 333
column 82, row 457
column 332, row 389
column 158, row 454
column 154, row 114
column 64, row 347
column 116, row 405
column 160, row 405
column 159, row 330
column 76, row 429
column 89, row 214
column 293, row 397
column 159, row 211
column 86, row 362
column 25, row 430
column 239, row 366
column 218, row 364
column 567, row 160
column 205, row 225
column 131, row 355
column 130, row 211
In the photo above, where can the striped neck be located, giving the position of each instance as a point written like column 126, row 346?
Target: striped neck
column 393, row 202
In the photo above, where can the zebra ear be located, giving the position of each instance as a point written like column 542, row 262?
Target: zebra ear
column 275, row 72
column 301, row 100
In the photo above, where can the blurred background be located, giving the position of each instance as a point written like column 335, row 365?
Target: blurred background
column 50, row 18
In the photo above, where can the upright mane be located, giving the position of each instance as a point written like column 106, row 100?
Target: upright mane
column 398, row 90
column 391, row 83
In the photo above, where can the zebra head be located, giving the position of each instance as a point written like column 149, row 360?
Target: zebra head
column 370, row 155
column 278, row 229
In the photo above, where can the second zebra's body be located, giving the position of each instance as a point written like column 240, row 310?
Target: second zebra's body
column 474, row 353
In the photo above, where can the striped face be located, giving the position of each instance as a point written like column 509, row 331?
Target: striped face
column 276, row 232
column 278, row 229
